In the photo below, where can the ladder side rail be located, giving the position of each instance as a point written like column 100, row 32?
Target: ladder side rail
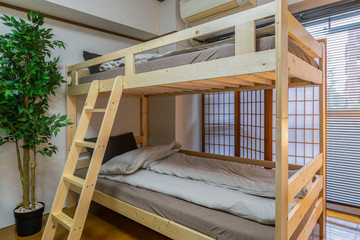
column 96, row 160
column 63, row 188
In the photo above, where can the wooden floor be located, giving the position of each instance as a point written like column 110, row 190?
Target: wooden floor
column 105, row 224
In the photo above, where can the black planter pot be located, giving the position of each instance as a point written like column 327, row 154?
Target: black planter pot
column 29, row 223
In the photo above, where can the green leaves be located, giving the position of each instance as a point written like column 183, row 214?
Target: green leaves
column 28, row 79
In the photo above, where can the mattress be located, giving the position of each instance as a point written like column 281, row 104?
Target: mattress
column 196, row 55
column 213, row 223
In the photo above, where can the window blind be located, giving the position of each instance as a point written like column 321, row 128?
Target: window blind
column 342, row 32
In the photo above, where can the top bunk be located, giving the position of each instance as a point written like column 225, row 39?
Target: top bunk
column 247, row 62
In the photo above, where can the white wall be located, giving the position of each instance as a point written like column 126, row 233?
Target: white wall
column 139, row 14
column 49, row 169
column 188, row 121
column 161, row 120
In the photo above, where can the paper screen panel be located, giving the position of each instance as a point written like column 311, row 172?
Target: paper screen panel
column 304, row 122
column 219, row 123
column 252, row 124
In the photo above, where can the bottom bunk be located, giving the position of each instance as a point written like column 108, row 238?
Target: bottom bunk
column 180, row 219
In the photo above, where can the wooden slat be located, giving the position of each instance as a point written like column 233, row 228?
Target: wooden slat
column 83, row 73
column 95, row 110
column 268, row 75
column 303, row 37
column 303, row 70
column 298, row 212
column 155, row 90
column 199, row 85
column 201, row 91
column 310, row 224
column 74, row 180
column 85, row 144
column 248, row 161
column 235, row 80
column 63, row 219
column 232, row 66
column 217, row 83
column 303, row 176
column 282, row 124
column 188, row 86
column 255, row 79
column 225, row 23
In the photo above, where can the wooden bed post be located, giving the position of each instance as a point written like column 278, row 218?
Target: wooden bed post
column 281, row 84
column 70, row 132
column 145, row 120
column 323, row 131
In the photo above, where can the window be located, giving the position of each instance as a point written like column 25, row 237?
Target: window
column 249, row 126
column 343, row 141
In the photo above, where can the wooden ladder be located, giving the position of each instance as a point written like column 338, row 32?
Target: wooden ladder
column 75, row 225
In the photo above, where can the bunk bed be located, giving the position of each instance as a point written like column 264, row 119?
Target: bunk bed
column 246, row 68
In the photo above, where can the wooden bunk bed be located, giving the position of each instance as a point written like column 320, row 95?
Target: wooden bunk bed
column 247, row 70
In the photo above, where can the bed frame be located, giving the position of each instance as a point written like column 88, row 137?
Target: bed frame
column 247, row 70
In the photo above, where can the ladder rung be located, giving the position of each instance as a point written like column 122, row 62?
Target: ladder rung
column 79, row 182
column 85, row 144
column 96, row 110
column 63, row 219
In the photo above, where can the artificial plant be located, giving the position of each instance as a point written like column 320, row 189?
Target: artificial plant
column 28, row 78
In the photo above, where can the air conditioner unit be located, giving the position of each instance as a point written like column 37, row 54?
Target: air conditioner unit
column 195, row 12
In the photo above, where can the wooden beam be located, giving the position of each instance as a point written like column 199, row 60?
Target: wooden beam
column 235, row 81
column 70, row 133
column 188, row 86
column 268, row 75
column 236, row 65
column 310, row 224
column 304, row 176
column 282, row 125
column 255, row 79
column 217, row 83
column 245, row 38
column 157, row 223
column 300, row 69
column 323, row 133
column 299, row 211
column 303, row 38
column 248, row 161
